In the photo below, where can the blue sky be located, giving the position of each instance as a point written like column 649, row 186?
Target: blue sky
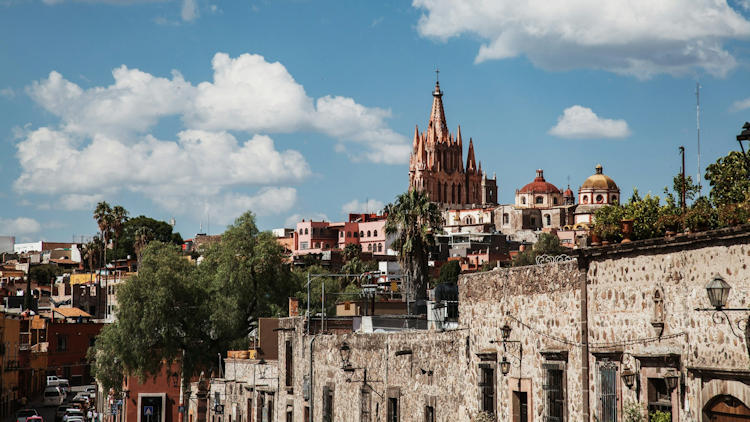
column 199, row 110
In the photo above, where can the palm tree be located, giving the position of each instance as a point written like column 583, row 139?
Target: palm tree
column 142, row 236
column 91, row 252
column 103, row 217
column 413, row 219
column 119, row 216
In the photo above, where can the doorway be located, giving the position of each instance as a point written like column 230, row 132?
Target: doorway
column 520, row 406
column 726, row 408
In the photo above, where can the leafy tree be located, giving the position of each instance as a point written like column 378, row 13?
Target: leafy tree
column 701, row 216
column 691, row 189
column 357, row 266
column 103, row 218
column 352, row 250
column 118, row 218
column 729, row 178
column 45, row 273
column 413, row 220
column 106, row 365
column 449, row 272
column 645, row 212
column 546, row 244
column 91, row 252
column 163, row 318
column 246, row 278
column 157, row 230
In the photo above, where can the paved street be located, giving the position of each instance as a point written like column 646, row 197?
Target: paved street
column 48, row 412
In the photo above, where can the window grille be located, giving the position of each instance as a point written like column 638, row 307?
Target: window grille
column 554, row 395
column 608, row 391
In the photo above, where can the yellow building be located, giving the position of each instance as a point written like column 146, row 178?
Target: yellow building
column 9, row 363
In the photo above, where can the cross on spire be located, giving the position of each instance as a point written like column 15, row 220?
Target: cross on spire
column 437, row 74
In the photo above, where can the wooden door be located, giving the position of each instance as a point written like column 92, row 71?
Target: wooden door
column 726, row 409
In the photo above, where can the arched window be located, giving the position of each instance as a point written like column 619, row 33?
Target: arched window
column 453, row 194
column 362, row 234
column 523, row 200
column 599, row 199
column 375, row 233
column 316, row 245
column 327, row 246
column 468, row 220
column 585, row 199
column 341, row 234
column 539, row 200
column 440, row 192
column 549, row 219
column 554, row 200
column 506, row 218
column 306, row 231
column 301, row 231
column 356, row 234
column 614, row 198
column 380, row 247
column 369, row 247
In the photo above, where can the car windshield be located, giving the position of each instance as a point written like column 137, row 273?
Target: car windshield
column 26, row 413
column 74, row 412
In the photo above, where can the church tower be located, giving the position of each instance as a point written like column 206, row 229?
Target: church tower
column 436, row 164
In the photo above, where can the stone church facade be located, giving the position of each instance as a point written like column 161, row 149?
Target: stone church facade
column 436, row 164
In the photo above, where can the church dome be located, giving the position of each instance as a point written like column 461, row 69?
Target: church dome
column 539, row 185
column 599, row 181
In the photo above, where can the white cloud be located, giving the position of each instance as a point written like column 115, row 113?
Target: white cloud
column 633, row 37
column 293, row 219
column 19, row 226
column 579, row 122
column 356, row 206
column 189, row 10
column 80, row 202
column 8, row 93
column 741, row 104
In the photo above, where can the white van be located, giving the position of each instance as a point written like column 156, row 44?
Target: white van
column 53, row 396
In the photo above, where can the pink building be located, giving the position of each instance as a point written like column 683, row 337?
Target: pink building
column 367, row 230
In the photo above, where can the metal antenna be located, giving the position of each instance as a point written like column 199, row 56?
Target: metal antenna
column 698, row 127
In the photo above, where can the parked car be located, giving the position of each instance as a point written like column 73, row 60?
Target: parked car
column 60, row 412
column 36, row 418
column 91, row 390
column 24, row 414
column 53, row 396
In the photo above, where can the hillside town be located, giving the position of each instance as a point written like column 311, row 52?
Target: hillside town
column 572, row 303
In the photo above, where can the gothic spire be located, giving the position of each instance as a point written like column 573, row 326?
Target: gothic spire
column 416, row 137
column 437, row 115
column 471, row 164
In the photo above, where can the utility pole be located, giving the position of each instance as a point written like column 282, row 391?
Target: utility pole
column 683, row 204
column 698, row 127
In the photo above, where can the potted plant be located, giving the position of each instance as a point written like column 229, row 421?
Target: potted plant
column 626, row 224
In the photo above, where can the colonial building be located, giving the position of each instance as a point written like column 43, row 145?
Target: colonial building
column 615, row 332
column 436, row 164
column 597, row 191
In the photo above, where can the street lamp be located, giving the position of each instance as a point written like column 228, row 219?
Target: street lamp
column 718, row 292
column 505, row 366
column 671, row 379
column 346, row 353
column 506, row 332
column 628, row 377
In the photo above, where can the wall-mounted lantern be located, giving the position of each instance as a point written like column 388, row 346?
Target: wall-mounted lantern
column 628, row 377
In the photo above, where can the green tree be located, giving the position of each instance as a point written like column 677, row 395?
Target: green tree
column 246, row 279
column 691, row 189
column 449, row 272
column 158, row 230
column 44, row 274
column 352, row 250
column 103, row 218
column 546, row 244
column 163, row 318
column 118, row 218
column 413, row 220
column 729, row 179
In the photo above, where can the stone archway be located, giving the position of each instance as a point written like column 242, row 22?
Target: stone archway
column 725, row 401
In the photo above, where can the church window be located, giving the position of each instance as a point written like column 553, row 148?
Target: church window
column 599, row 199
column 539, row 200
column 505, row 218
column 549, row 219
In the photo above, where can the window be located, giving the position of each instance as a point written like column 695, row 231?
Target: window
column 327, row 404
column 520, row 406
column 375, row 233
column 506, row 218
column 365, row 406
column 62, row 343
column 316, row 245
column 369, row 247
column 539, row 200
column 523, row 200
column 380, row 247
column 304, row 245
column 356, row 234
column 533, row 221
column 429, row 414
column 487, row 388
column 608, row 392
column 369, row 234
column 327, row 246
column 306, row 232
column 348, row 234
column 599, row 199
column 301, row 231
column 614, row 198
column 341, row 234
column 361, row 234
column 392, row 409
column 554, row 392
column 549, row 219
column 554, row 200
column 289, row 416
column 585, row 199
column 659, row 397
column 288, row 363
